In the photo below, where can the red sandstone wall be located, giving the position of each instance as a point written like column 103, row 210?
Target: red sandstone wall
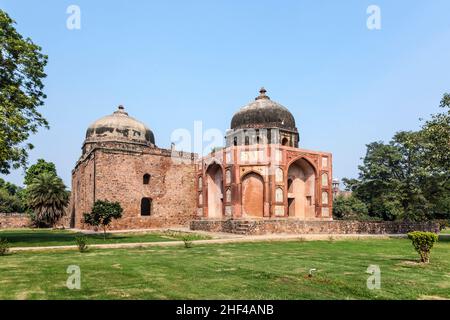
column 82, row 195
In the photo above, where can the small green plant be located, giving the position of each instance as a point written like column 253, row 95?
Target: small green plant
column 102, row 214
column 4, row 247
column 187, row 242
column 423, row 242
column 82, row 243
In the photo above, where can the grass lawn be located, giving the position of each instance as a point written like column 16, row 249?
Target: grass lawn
column 445, row 231
column 262, row 270
column 47, row 237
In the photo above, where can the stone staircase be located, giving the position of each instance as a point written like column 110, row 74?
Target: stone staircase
column 242, row 227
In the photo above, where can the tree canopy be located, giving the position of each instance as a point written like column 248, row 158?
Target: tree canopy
column 21, row 93
column 409, row 177
column 41, row 166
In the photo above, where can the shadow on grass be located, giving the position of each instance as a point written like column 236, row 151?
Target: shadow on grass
column 53, row 237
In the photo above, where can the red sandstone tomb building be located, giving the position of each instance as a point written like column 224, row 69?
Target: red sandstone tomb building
column 260, row 174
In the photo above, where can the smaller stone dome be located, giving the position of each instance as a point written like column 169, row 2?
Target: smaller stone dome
column 120, row 127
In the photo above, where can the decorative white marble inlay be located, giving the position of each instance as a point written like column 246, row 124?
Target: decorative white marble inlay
column 228, row 195
column 200, row 183
column 228, row 211
column 325, row 180
column 324, row 197
column 324, row 162
column 325, row 212
column 229, row 157
column 278, row 175
column 228, row 176
column 279, row 195
column 200, row 199
column 278, row 155
column 279, row 211
column 252, row 156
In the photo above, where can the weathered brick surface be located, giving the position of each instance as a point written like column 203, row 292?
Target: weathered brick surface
column 14, row 220
column 116, row 174
column 314, row 227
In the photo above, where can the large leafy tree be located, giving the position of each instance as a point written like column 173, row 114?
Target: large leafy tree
column 40, row 167
column 21, row 93
column 47, row 198
column 408, row 178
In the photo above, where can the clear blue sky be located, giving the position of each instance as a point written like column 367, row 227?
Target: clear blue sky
column 173, row 62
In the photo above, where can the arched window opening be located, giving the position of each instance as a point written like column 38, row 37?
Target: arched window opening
column 146, row 179
column 235, row 141
column 247, row 140
column 257, row 140
column 285, row 141
column 146, row 206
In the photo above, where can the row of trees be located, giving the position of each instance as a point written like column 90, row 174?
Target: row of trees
column 44, row 196
column 407, row 178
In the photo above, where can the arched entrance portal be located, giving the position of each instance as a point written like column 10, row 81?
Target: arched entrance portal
column 215, row 191
column 253, row 195
column 301, row 186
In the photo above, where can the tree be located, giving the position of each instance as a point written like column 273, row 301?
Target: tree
column 349, row 207
column 11, row 198
column 409, row 177
column 48, row 198
column 102, row 214
column 41, row 166
column 21, row 93
column 10, row 203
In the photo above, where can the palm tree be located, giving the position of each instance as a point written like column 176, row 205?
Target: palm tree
column 48, row 198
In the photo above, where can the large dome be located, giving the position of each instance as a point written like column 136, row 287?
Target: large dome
column 120, row 127
column 263, row 113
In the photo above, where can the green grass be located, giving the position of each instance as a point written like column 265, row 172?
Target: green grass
column 46, row 237
column 262, row 270
column 445, row 231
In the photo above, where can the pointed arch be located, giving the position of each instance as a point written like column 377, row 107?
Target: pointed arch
column 253, row 194
column 214, row 179
column 301, row 180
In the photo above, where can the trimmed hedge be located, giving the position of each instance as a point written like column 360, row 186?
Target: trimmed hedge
column 423, row 242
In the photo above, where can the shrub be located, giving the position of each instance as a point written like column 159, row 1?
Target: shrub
column 187, row 242
column 82, row 243
column 4, row 247
column 102, row 214
column 423, row 242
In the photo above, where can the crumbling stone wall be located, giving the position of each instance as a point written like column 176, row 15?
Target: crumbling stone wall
column 259, row 227
column 14, row 220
